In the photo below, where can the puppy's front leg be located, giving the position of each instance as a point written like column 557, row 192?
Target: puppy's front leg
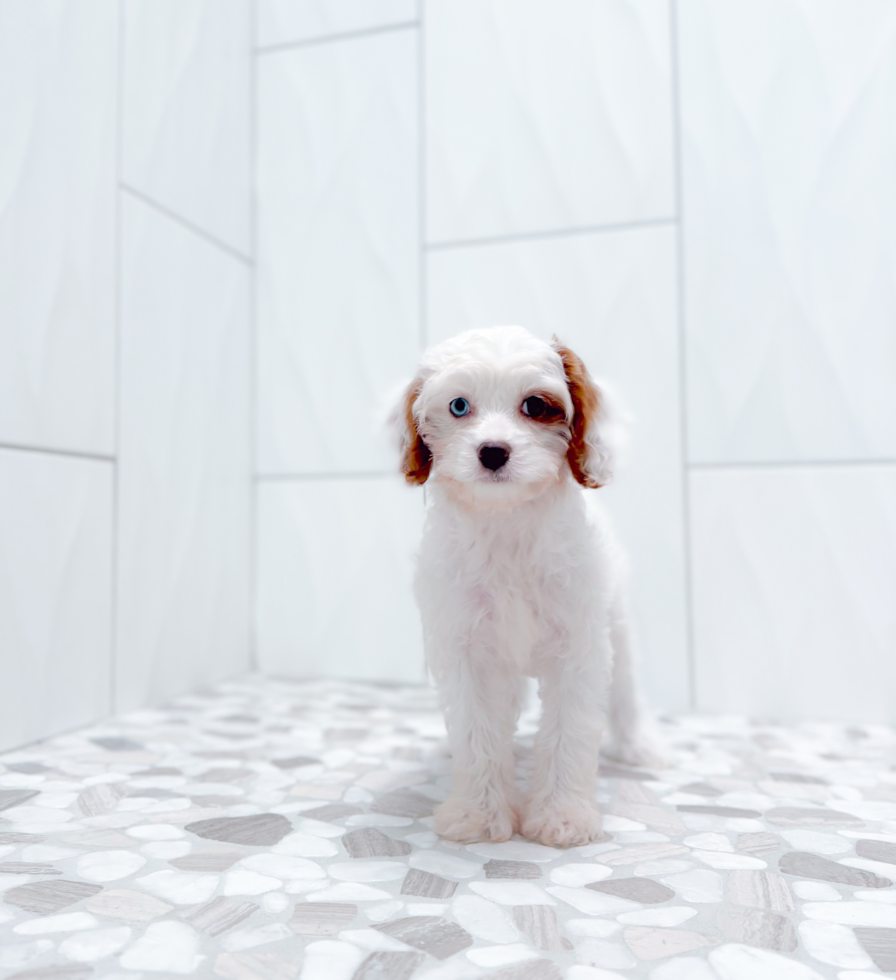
column 481, row 696
column 561, row 810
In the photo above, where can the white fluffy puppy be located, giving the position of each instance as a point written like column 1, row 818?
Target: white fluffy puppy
column 515, row 578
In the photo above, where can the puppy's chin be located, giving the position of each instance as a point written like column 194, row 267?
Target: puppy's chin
column 494, row 496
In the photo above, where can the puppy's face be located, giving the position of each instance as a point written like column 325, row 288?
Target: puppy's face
column 496, row 416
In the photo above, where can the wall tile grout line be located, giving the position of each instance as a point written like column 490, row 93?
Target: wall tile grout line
column 313, row 42
column 678, row 168
column 526, row 236
column 188, row 225
column 119, row 293
column 51, row 451
column 352, row 475
column 756, row 464
column 421, row 176
column 253, row 336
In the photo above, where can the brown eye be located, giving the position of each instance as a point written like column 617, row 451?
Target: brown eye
column 534, row 407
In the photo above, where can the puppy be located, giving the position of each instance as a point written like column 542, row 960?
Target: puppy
column 515, row 578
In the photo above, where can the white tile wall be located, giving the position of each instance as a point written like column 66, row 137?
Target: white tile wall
column 186, row 110
column 794, row 578
column 338, row 250
column 334, row 594
column 183, row 519
column 286, row 21
column 612, row 297
column 57, row 224
column 546, row 115
column 55, row 593
column 789, row 133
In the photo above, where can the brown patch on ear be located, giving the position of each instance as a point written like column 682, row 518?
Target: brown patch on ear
column 416, row 460
column 586, row 404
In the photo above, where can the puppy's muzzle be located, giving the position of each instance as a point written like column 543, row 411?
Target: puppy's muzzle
column 493, row 457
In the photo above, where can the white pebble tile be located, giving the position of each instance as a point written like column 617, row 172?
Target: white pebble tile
column 816, row 891
column 65, row 922
column 494, row 956
column 95, row 944
column 576, row 875
column 484, row 919
column 512, row 892
column 109, row 865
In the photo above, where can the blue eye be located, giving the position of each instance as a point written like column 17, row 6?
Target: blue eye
column 459, row 407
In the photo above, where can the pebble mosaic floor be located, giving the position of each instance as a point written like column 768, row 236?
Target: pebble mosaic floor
column 269, row 831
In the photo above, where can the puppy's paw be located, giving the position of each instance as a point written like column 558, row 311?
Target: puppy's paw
column 643, row 752
column 466, row 822
column 563, row 824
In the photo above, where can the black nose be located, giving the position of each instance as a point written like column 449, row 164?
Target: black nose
column 493, row 457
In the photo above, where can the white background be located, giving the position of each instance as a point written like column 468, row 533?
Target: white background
column 228, row 228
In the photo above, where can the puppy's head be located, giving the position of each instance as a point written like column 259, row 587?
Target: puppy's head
column 497, row 416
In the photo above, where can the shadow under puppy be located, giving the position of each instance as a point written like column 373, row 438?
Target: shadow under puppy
column 516, row 577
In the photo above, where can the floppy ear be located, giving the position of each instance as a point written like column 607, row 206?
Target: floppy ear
column 588, row 455
column 416, row 459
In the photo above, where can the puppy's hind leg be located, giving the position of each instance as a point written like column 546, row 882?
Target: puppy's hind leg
column 632, row 741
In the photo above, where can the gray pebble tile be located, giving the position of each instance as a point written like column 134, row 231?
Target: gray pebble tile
column 117, row 743
column 332, row 811
column 207, row 861
column 255, row 966
column 224, row 775
column 609, row 771
column 877, row 850
column 718, row 811
column 430, row 933
column 530, row 970
column 124, row 903
column 388, row 966
column 220, row 914
column 701, row 789
column 369, row 842
column 794, row 816
column 26, row 868
column 321, row 918
column 15, row 797
column 538, row 923
column 512, row 869
column 759, row 842
column 100, row 799
column 760, row 889
column 880, row 944
column 29, row 768
column 59, row 971
column 153, row 793
column 294, row 762
column 12, row 837
column 262, row 829
column 215, row 799
column 757, row 927
column 46, row 897
column 644, row 890
column 345, row 734
column 403, row 803
column 426, row 885
column 798, row 777
column 158, row 771
column 805, row 865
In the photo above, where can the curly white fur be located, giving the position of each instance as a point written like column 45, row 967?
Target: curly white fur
column 517, row 578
